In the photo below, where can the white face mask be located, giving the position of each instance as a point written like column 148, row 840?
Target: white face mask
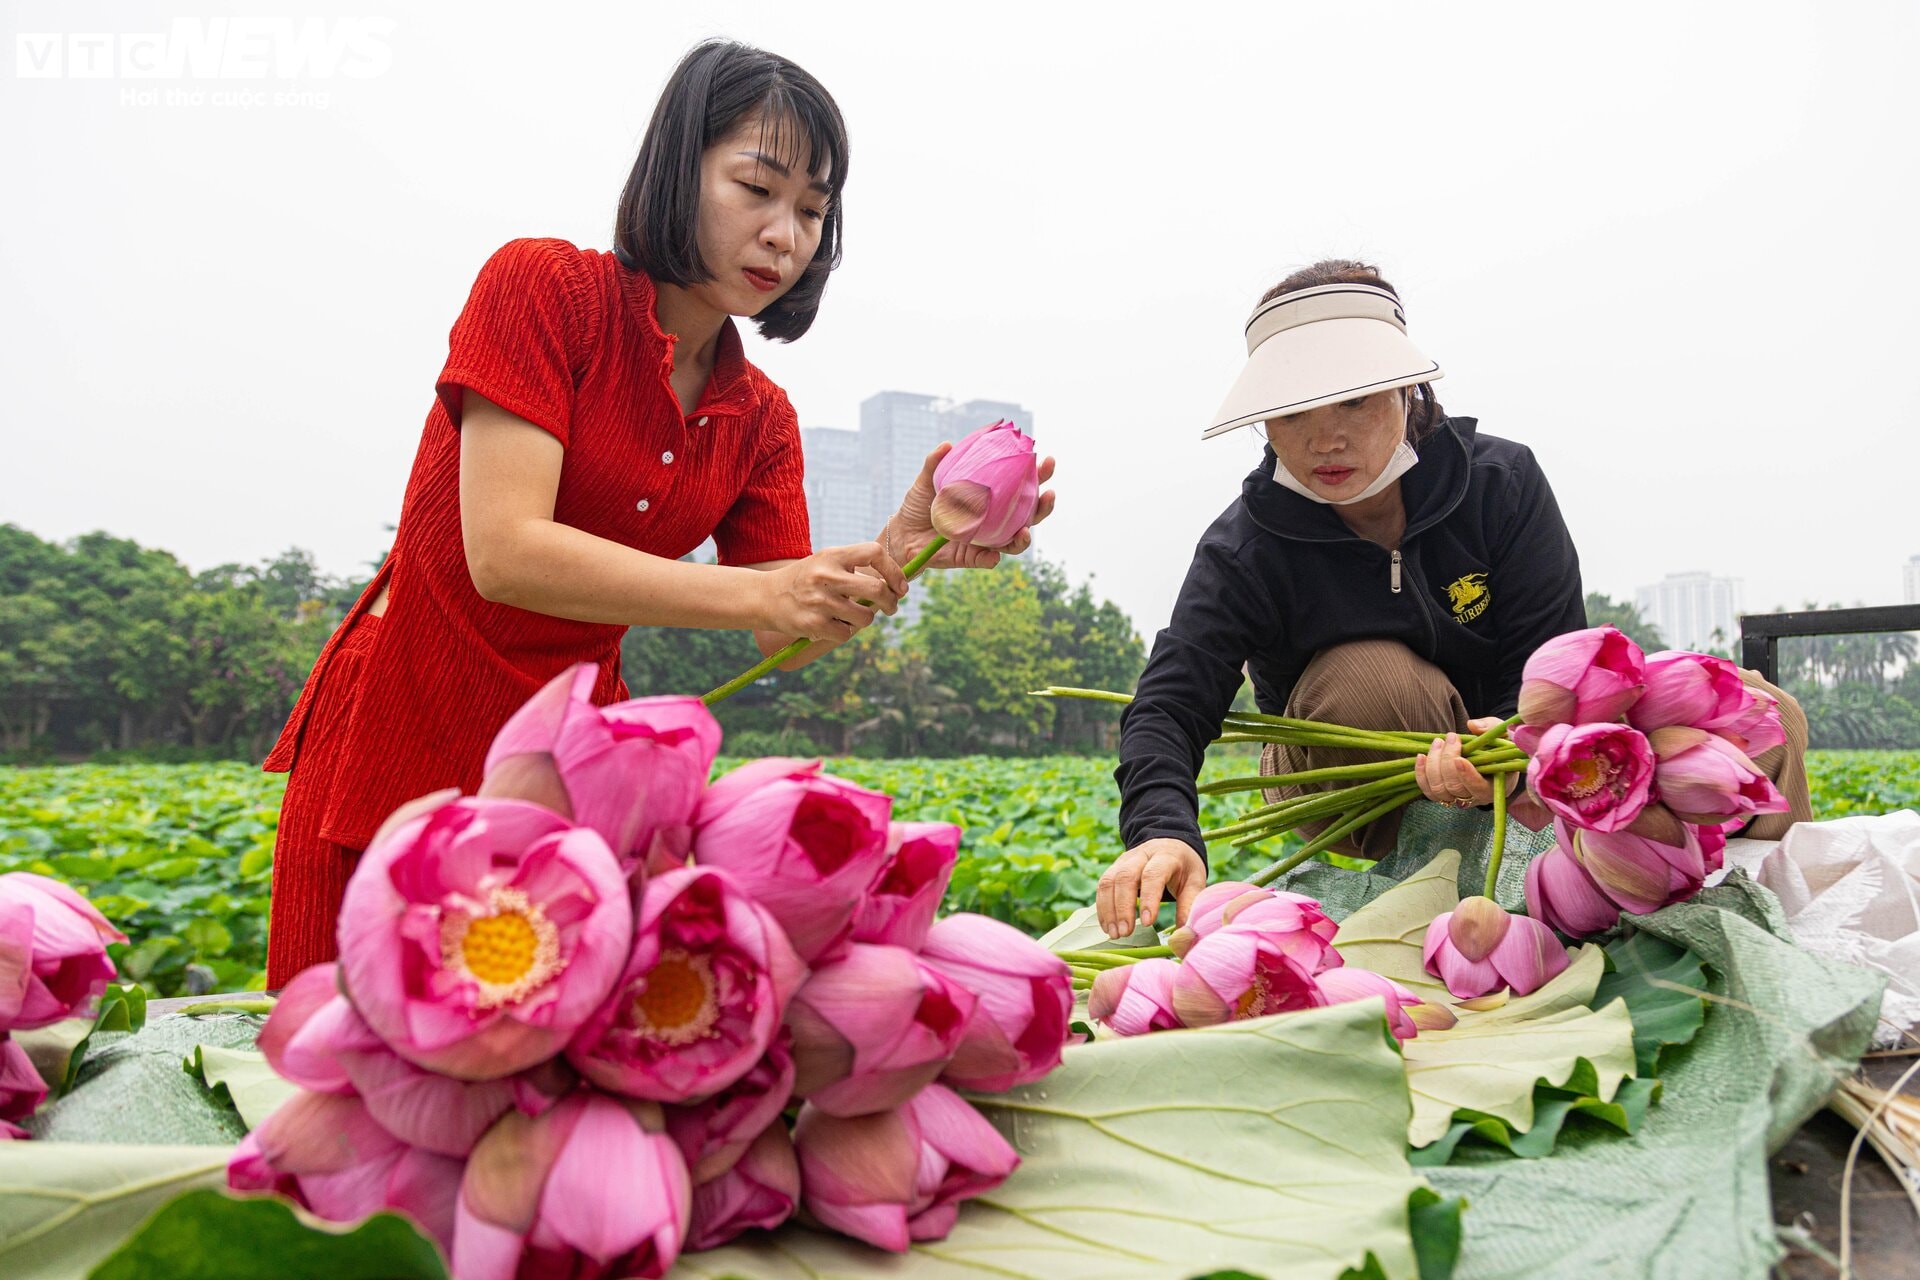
column 1398, row 465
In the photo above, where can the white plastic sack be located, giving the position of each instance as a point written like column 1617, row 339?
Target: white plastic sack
column 1851, row 890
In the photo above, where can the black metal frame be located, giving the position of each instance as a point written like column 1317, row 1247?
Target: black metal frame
column 1760, row 633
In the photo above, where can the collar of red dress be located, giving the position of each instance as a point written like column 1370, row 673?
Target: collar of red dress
column 731, row 388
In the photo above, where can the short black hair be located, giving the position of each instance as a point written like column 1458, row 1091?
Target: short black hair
column 717, row 85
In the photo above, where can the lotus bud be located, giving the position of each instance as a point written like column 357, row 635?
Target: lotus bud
column 1582, row 677
column 1500, row 950
column 1133, row 999
column 986, row 488
column 1344, row 984
column 53, row 952
column 1706, row 779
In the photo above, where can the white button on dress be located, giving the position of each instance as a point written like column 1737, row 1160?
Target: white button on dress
column 701, row 423
column 640, row 505
column 667, row 456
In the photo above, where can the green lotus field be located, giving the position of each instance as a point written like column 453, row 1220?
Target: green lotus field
column 181, row 856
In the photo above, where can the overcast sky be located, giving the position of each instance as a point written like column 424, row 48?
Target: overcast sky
column 1671, row 247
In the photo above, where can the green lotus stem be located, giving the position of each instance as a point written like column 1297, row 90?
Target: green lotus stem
column 1083, row 977
column 252, row 1004
column 772, row 660
column 1316, row 803
column 1499, row 833
column 1258, row 718
column 1323, row 841
column 1094, row 960
column 1498, row 731
column 1345, row 772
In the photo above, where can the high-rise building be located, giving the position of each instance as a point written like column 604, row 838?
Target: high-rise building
column 1693, row 610
column 1912, row 592
column 840, row 506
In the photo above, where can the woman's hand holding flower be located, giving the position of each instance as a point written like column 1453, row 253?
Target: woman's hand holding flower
column 1444, row 775
column 911, row 527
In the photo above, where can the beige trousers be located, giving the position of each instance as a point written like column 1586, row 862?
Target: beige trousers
column 1382, row 684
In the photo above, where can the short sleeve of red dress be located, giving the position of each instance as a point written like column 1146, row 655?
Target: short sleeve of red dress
column 768, row 521
column 525, row 335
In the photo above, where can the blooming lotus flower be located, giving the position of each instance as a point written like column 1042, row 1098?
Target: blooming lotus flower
column 1597, row 776
column 1582, row 677
column 804, row 845
column 1237, row 973
column 1477, row 948
column 1133, row 999
column 21, row 1088
column 1342, row 985
column 899, row 1176
column 700, row 998
column 759, row 1190
column 986, row 489
column 633, row 771
column 872, row 1028
column 53, row 952
column 478, row 936
column 714, row 1133
column 1704, row 778
column 591, row 1188
column 1305, row 931
column 899, row 906
column 325, row 1151
column 1025, row 1001
column 1637, row 873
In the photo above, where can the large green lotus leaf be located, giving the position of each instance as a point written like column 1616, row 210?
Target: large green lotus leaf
column 1665, row 990
column 204, row 1233
column 1490, row 1062
column 1276, row 1147
column 65, row 1205
column 255, row 1088
column 1385, row 935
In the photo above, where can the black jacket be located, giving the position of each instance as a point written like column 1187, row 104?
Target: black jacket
column 1486, row 573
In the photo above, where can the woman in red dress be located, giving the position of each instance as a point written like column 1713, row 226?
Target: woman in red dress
column 595, row 421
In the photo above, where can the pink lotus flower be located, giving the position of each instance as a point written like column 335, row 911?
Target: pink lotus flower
column 714, row 1133
column 1713, row 847
column 1477, row 948
column 53, row 952
column 899, row 1176
column 804, row 845
column 1305, row 931
column 1688, row 688
column 1236, row 973
column 478, row 936
column 325, row 1151
column 315, row 1039
column 759, row 1190
column 591, row 1188
column 1753, row 728
column 1561, row 893
column 701, row 996
column 1133, row 999
column 1582, row 677
column 1342, row 985
column 1025, row 1001
column 900, row 905
column 1597, row 776
column 21, row 1088
column 872, row 1028
column 986, row 489
column 1636, row 873
column 1704, row 778
column 633, row 771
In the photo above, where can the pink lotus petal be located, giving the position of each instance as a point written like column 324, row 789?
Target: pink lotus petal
column 1582, row 677
column 1344, row 984
column 1563, row 895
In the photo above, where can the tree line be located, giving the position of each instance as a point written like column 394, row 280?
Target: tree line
column 113, row 650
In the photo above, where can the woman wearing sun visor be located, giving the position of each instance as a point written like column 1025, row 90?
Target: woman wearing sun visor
column 1385, row 566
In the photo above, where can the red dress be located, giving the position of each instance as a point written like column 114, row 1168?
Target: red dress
column 406, row 704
